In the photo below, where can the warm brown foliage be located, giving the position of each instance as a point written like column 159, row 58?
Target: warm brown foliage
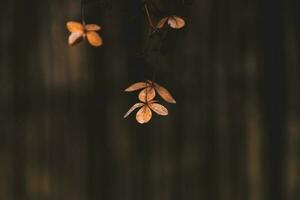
column 148, row 104
column 147, row 94
column 162, row 91
column 145, row 114
column 80, row 31
column 173, row 21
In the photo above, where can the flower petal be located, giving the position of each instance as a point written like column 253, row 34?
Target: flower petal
column 75, row 26
column 159, row 109
column 92, row 27
column 161, row 23
column 147, row 94
column 94, row 39
column 144, row 115
column 164, row 93
column 136, row 86
column 135, row 106
column 176, row 22
column 75, row 38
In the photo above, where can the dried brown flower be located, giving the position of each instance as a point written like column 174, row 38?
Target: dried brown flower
column 148, row 104
column 149, row 88
column 173, row 21
column 145, row 114
column 79, row 31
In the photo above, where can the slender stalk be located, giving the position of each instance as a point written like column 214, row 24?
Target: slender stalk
column 83, row 12
column 148, row 15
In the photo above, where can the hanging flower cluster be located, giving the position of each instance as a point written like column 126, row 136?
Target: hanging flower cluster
column 80, row 32
column 148, row 104
column 173, row 21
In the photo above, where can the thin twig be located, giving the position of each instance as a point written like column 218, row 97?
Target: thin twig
column 83, row 12
column 148, row 15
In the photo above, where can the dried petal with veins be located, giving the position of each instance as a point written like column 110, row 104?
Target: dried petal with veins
column 144, row 115
column 135, row 106
column 136, row 86
column 176, row 22
column 161, row 23
column 75, row 38
column 147, row 94
column 159, row 109
column 75, row 27
column 92, row 27
column 164, row 93
column 94, row 39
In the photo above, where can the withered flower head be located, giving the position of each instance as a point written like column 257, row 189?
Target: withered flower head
column 149, row 88
column 145, row 114
column 79, row 31
column 173, row 21
column 148, row 104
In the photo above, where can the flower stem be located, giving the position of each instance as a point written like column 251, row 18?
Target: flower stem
column 148, row 15
column 83, row 12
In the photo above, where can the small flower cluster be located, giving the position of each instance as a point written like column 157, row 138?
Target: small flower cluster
column 172, row 21
column 80, row 32
column 148, row 103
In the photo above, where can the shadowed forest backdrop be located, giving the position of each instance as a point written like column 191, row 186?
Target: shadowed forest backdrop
column 234, row 133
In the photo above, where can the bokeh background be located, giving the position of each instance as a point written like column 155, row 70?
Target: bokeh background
column 234, row 133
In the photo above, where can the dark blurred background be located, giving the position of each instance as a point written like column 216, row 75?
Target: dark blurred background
column 234, row 133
